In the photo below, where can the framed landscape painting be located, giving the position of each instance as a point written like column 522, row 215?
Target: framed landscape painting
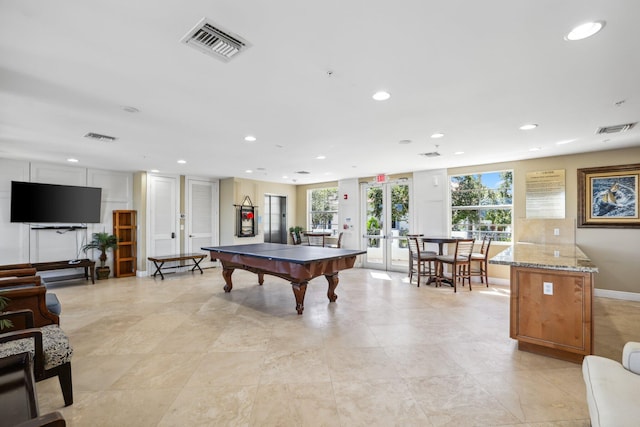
column 608, row 196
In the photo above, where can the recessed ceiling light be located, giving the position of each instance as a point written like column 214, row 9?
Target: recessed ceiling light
column 457, row 153
column 154, row 171
column 72, row 160
column 437, row 135
column 565, row 141
column 248, row 171
column 182, row 162
column 528, row 126
column 404, row 141
column 250, row 138
column 381, row 96
column 285, row 177
column 535, row 149
column 321, row 157
column 584, row 30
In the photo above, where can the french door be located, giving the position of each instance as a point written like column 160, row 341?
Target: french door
column 386, row 223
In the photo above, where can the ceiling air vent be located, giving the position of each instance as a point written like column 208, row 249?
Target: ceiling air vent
column 100, row 137
column 431, row 154
column 616, row 128
column 214, row 40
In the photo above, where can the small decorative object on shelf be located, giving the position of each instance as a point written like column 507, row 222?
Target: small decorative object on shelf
column 246, row 218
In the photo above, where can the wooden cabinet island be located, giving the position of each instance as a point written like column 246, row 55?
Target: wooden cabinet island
column 551, row 299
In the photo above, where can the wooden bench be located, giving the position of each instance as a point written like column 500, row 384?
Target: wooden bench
column 195, row 257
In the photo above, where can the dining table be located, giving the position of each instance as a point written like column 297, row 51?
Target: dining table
column 440, row 240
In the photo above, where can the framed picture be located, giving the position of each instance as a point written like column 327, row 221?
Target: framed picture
column 608, row 197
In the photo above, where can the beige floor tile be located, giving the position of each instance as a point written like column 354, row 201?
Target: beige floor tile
column 532, row 398
column 296, row 405
column 353, row 364
column 142, row 407
column 224, row 406
column 227, row 368
column 377, row 403
column 458, row 400
column 295, row 366
column 159, row 370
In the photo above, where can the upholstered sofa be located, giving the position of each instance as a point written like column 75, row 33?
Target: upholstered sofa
column 613, row 389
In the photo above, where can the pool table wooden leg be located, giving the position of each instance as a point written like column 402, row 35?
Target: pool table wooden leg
column 226, row 274
column 299, row 289
column 333, row 283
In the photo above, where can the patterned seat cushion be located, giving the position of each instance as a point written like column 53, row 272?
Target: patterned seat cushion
column 55, row 343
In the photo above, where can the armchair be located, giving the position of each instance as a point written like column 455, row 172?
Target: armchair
column 18, row 400
column 28, row 293
column 49, row 346
column 612, row 388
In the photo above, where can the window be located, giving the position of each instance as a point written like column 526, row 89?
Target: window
column 323, row 215
column 481, row 205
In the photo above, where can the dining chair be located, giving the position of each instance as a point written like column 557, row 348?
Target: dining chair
column 422, row 263
column 459, row 261
column 482, row 260
column 338, row 243
column 316, row 240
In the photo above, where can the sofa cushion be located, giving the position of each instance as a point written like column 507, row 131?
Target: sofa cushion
column 56, row 347
column 611, row 393
column 631, row 356
column 53, row 304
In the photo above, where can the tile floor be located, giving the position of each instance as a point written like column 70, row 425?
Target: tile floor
column 181, row 352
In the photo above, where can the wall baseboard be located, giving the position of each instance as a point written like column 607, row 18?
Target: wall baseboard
column 606, row 293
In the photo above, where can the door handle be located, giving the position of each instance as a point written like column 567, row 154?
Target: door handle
column 173, row 235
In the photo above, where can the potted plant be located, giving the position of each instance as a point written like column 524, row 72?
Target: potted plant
column 102, row 242
column 296, row 234
column 4, row 323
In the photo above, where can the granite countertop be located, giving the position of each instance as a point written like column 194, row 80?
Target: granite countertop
column 553, row 257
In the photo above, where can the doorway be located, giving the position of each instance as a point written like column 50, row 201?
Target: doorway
column 164, row 193
column 202, row 197
column 386, row 223
column 275, row 219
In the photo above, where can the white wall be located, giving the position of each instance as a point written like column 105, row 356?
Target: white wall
column 14, row 244
column 349, row 209
column 22, row 243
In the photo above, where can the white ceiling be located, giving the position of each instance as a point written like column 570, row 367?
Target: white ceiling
column 474, row 70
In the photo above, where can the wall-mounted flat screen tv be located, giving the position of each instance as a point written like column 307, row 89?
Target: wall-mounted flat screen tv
column 33, row 202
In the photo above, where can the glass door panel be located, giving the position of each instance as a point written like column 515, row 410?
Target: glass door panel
column 386, row 223
column 374, row 227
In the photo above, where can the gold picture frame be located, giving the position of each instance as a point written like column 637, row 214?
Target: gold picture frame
column 608, row 197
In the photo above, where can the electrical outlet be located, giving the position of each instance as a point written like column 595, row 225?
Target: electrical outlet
column 547, row 288
column 556, row 231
